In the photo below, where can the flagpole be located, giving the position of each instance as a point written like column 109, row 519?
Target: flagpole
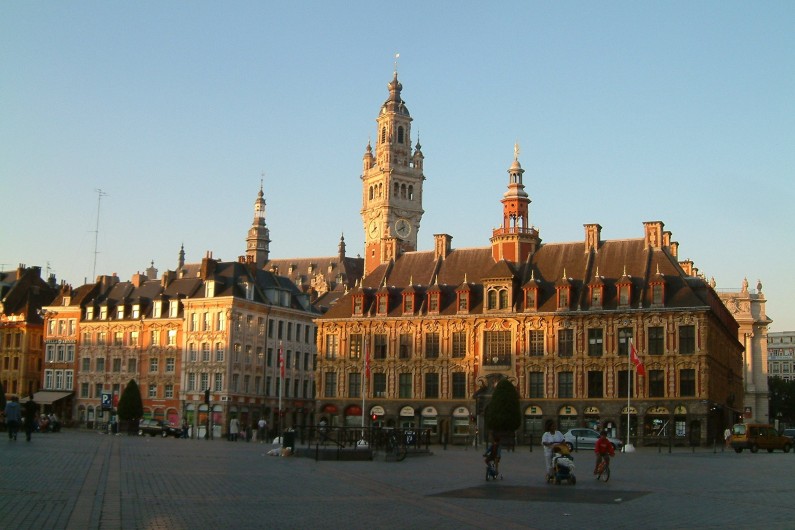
column 364, row 381
column 628, row 447
column 281, row 382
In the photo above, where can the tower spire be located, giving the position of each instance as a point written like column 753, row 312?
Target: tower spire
column 258, row 240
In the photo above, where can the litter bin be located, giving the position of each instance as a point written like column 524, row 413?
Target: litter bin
column 288, row 440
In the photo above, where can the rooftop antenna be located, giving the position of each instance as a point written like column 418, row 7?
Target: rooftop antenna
column 100, row 194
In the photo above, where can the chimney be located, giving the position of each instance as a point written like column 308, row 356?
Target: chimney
column 653, row 233
column 442, row 245
column 138, row 279
column 593, row 236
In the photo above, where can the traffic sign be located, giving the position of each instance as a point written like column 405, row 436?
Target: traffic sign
column 107, row 398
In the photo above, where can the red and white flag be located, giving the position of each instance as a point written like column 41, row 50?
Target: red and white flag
column 633, row 356
column 281, row 361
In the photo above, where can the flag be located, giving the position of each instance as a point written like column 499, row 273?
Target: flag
column 281, row 361
column 633, row 355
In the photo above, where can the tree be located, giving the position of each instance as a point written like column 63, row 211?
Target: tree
column 503, row 414
column 130, row 405
column 781, row 399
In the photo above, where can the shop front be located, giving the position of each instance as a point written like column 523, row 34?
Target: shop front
column 461, row 426
column 429, row 422
column 406, row 417
column 533, row 425
column 567, row 418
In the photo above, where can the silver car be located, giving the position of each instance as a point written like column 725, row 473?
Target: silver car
column 583, row 438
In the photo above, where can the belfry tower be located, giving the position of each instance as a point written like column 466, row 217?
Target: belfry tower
column 258, row 240
column 391, row 184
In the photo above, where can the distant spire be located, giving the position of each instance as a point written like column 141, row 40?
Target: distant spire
column 181, row 262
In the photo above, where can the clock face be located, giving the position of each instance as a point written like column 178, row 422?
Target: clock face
column 402, row 228
column 373, row 229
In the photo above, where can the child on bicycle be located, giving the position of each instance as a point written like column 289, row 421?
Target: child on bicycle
column 493, row 454
column 604, row 450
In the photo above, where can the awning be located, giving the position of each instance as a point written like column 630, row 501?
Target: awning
column 47, row 397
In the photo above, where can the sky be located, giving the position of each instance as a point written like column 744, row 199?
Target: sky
column 624, row 112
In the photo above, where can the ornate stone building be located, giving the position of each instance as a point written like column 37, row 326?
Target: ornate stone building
column 426, row 335
column 748, row 309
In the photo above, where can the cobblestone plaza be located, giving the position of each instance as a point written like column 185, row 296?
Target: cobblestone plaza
column 82, row 480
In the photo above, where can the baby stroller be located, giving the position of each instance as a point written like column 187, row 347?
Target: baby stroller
column 562, row 466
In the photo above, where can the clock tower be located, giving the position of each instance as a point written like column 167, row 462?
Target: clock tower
column 257, row 242
column 391, row 184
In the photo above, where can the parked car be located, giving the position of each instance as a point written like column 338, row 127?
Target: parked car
column 586, row 439
column 756, row 436
column 790, row 433
column 158, row 428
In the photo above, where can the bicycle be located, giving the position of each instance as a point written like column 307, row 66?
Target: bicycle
column 603, row 470
column 396, row 444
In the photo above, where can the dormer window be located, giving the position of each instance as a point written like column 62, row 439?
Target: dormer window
column 563, row 297
column 173, row 308
column 623, row 294
column 157, row 310
column 383, row 306
column 497, row 298
column 531, row 299
column 463, row 302
column 358, row 305
column 408, row 303
column 136, row 311
column 657, row 284
column 209, row 289
column 120, row 312
column 89, row 313
column 657, row 294
column 67, row 300
column 103, row 313
column 596, row 296
column 433, row 302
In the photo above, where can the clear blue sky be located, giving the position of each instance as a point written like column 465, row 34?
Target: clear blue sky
column 625, row 112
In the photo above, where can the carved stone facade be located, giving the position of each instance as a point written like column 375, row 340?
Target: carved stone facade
column 426, row 335
column 748, row 308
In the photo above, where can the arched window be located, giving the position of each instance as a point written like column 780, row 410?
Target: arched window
column 403, row 191
column 503, row 298
column 411, row 193
column 400, row 135
column 397, row 190
column 371, row 193
column 383, row 134
column 492, row 299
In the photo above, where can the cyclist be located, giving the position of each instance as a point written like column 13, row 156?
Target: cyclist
column 604, row 450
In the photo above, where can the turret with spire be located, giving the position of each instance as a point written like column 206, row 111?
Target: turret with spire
column 258, row 240
column 515, row 240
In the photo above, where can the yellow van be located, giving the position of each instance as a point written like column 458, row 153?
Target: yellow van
column 756, row 436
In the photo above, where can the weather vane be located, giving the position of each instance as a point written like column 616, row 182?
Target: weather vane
column 397, row 55
column 516, row 151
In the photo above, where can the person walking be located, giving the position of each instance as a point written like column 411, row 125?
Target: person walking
column 13, row 416
column 551, row 438
column 262, row 427
column 727, row 437
column 234, row 429
column 30, row 417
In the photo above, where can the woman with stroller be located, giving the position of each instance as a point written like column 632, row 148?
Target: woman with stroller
column 550, row 439
column 604, row 450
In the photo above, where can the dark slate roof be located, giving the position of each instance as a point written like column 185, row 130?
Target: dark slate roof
column 549, row 264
